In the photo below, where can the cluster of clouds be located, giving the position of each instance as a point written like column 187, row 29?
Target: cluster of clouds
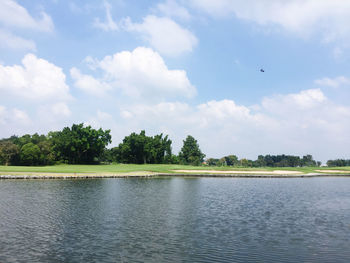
column 155, row 96
column 14, row 20
column 160, row 31
column 303, row 17
column 140, row 73
column 323, row 19
column 296, row 123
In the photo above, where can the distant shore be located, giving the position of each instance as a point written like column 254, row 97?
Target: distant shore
column 175, row 173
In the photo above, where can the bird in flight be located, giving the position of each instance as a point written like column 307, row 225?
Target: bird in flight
column 262, row 70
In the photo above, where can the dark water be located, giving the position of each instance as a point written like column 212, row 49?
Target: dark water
column 175, row 220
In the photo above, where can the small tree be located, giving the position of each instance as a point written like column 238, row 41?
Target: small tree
column 190, row 152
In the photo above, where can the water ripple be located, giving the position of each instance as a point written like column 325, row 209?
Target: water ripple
column 175, row 220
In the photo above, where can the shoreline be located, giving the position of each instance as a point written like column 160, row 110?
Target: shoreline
column 145, row 174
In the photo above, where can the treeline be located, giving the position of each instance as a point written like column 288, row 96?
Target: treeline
column 338, row 162
column 265, row 161
column 85, row 145
column 81, row 144
column 75, row 145
column 142, row 149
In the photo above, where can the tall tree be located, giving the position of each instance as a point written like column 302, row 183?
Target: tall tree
column 190, row 152
column 139, row 149
column 79, row 144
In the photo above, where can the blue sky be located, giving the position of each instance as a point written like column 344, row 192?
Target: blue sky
column 182, row 67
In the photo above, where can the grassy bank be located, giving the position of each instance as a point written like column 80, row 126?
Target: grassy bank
column 158, row 168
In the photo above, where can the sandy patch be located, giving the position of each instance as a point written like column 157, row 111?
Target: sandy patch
column 276, row 172
column 39, row 175
column 333, row 171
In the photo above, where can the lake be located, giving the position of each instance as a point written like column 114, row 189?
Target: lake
column 176, row 220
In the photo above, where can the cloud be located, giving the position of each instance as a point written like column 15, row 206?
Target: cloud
column 171, row 8
column 306, row 99
column 35, row 79
column 333, row 82
column 14, row 15
column 53, row 113
column 329, row 18
column 60, row 109
column 141, row 73
column 13, row 119
column 109, row 24
column 88, row 83
column 11, row 41
column 48, row 117
column 20, row 116
column 163, row 34
column 298, row 123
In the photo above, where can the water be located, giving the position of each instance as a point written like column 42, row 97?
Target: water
column 175, row 220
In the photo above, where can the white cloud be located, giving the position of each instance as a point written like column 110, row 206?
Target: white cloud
column 14, row 15
column 141, row 73
column 306, row 99
column 37, row 79
column 333, row 82
column 8, row 40
column 170, row 8
column 13, row 118
column 303, row 17
column 60, row 109
column 88, row 83
column 52, row 114
column 109, row 24
column 163, row 34
column 20, row 116
column 3, row 115
column 301, row 123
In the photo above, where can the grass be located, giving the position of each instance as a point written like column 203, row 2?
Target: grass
column 161, row 168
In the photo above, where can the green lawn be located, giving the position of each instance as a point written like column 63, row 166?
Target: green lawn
column 164, row 168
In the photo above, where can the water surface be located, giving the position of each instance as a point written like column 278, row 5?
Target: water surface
column 175, row 220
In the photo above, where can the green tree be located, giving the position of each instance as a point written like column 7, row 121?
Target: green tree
column 47, row 156
column 244, row 162
column 139, row 149
column 231, row 160
column 30, row 154
column 79, row 144
column 212, row 161
column 190, row 152
column 9, row 152
column 308, row 161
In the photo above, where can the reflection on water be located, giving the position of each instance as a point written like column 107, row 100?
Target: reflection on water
column 175, row 220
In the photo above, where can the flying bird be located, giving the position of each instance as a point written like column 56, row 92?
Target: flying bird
column 262, row 70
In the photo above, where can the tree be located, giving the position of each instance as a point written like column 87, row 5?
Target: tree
column 79, row 144
column 212, row 161
column 9, row 153
column 30, row 154
column 139, row 149
column 231, row 160
column 190, row 152
column 308, row 161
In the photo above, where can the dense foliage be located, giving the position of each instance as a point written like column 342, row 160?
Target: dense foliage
column 142, row 149
column 190, row 152
column 78, row 144
column 266, row 161
column 338, row 162
column 26, row 150
column 81, row 144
